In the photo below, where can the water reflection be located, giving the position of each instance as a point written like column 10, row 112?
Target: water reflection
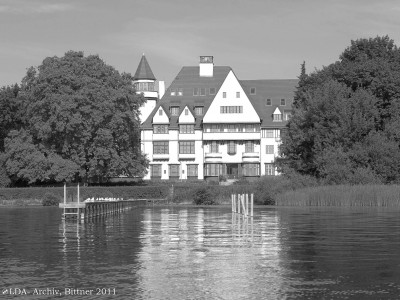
column 198, row 253
column 210, row 253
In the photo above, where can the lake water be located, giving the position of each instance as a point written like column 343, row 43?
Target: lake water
column 202, row 253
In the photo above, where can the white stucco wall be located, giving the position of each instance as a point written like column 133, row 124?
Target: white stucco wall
column 230, row 86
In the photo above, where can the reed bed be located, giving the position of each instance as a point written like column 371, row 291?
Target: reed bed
column 342, row 195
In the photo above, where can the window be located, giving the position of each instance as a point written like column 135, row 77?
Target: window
column 160, row 112
column 237, row 94
column 155, row 171
column 173, row 92
column 214, row 145
column 186, row 147
column 202, row 91
column 283, row 102
column 215, row 128
column 231, row 109
column 160, row 147
column 249, row 147
column 251, row 169
column 252, row 91
column 269, row 149
column 160, row 128
column 191, row 171
column 180, row 92
column 199, row 110
column 186, row 128
column 231, row 147
column 288, row 116
column 269, row 169
column 195, row 91
column 144, row 86
column 249, row 128
column 212, row 91
column 267, row 133
column 224, row 95
column 173, row 171
column 268, row 102
column 174, row 110
column 277, row 117
column 213, row 169
column 186, row 112
column 231, row 128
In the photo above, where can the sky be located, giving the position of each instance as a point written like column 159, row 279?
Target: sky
column 258, row 39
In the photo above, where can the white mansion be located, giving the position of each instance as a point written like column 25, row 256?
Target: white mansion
column 209, row 123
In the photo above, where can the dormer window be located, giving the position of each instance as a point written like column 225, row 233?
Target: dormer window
column 268, row 102
column 199, row 91
column 160, row 112
column 180, row 92
column 283, row 102
column 199, row 110
column 186, row 112
column 277, row 117
column 173, row 92
column 174, row 110
column 237, row 94
column 224, row 95
column 252, row 91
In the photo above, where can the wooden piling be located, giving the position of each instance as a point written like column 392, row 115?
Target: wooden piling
column 243, row 204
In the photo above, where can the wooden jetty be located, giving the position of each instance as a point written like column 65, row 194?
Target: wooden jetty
column 99, row 206
column 241, row 204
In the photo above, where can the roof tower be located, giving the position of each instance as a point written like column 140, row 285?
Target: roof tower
column 144, row 71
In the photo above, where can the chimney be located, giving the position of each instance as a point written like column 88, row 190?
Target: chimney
column 206, row 66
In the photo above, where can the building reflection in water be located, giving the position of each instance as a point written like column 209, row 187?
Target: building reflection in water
column 193, row 252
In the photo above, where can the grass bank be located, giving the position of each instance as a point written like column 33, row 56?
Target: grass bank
column 342, row 195
column 282, row 191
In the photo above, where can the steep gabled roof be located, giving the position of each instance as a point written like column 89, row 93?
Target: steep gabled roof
column 186, row 80
column 274, row 89
column 144, row 71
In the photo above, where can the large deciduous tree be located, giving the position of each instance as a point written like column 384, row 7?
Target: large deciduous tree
column 346, row 118
column 81, row 120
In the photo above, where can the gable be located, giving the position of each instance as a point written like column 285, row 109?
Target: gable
column 160, row 116
column 231, row 104
column 186, row 116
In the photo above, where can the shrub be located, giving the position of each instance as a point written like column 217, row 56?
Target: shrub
column 50, row 200
column 202, row 196
column 4, row 179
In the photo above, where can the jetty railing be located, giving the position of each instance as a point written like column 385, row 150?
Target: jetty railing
column 241, row 204
column 92, row 207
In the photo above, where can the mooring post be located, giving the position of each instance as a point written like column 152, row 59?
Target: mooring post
column 243, row 204
column 251, row 205
column 65, row 198
column 247, row 204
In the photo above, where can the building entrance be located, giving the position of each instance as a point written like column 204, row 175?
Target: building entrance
column 232, row 171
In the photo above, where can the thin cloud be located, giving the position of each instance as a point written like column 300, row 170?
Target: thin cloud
column 34, row 8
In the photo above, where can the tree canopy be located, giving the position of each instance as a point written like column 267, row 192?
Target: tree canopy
column 346, row 117
column 80, row 120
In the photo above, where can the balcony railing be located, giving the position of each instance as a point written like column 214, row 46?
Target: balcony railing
column 161, row 156
column 250, row 156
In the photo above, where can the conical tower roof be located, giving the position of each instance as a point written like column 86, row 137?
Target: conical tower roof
column 144, row 71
